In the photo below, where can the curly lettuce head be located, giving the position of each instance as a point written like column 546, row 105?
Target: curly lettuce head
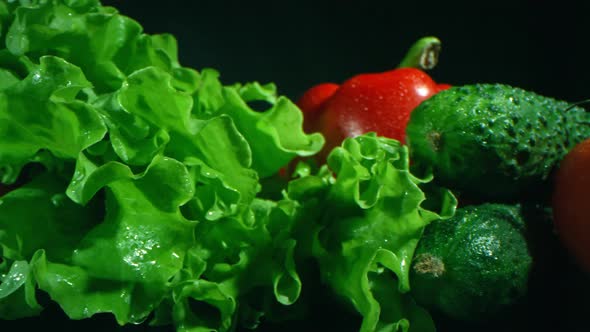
column 138, row 186
column 370, row 214
column 135, row 181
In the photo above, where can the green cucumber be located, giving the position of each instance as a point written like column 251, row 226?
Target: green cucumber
column 494, row 142
column 475, row 265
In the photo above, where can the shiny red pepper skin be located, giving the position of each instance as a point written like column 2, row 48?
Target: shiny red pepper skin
column 443, row 86
column 377, row 102
column 312, row 102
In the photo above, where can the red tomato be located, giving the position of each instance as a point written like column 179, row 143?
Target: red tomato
column 571, row 198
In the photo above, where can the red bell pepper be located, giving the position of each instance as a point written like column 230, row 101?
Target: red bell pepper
column 312, row 102
column 377, row 102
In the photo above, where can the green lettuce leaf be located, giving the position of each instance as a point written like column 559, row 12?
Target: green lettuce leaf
column 41, row 112
column 17, row 292
column 56, row 223
column 81, row 295
column 370, row 220
column 93, row 37
column 143, row 236
column 236, row 261
column 123, row 265
column 278, row 130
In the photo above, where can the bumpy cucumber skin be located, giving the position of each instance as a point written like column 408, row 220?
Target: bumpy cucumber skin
column 494, row 141
column 486, row 263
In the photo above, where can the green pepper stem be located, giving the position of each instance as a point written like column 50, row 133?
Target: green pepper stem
column 423, row 54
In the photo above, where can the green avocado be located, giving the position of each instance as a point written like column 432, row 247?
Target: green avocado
column 475, row 265
column 494, row 142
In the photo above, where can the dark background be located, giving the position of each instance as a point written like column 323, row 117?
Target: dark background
column 536, row 45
